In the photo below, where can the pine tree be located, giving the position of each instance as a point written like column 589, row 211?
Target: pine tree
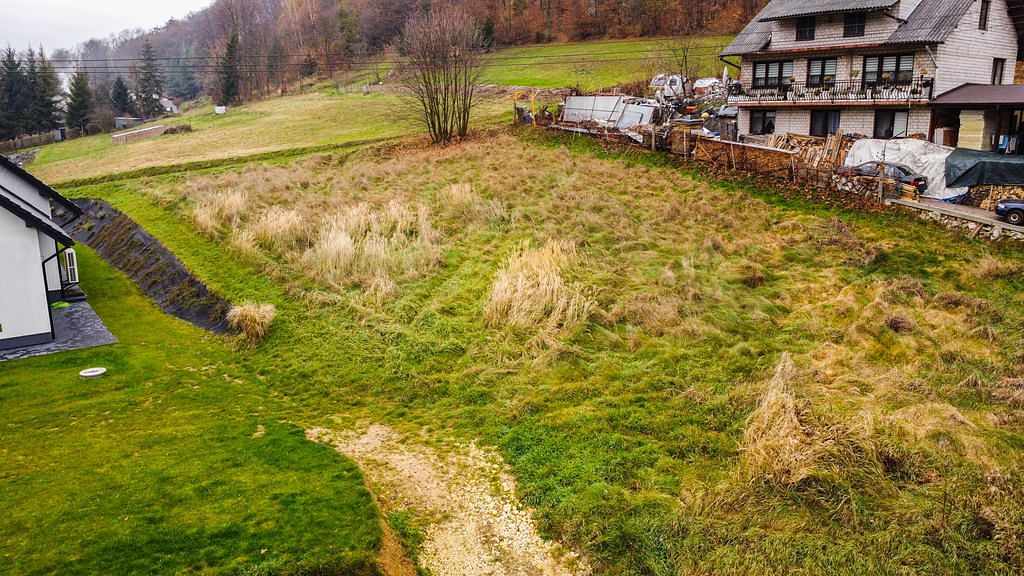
column 228, row 72
column 182, row 83
column 32, row 123
column 276, row 62
column 49, row 89
column 80, row 103
column 121, row 98
column 13, row 96
column 150, row 87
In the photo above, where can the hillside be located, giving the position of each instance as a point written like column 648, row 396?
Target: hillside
column 683, row 376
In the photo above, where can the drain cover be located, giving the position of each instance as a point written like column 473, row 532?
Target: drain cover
column 92, row 372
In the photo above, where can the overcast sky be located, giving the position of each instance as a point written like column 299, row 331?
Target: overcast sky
column 68, row 23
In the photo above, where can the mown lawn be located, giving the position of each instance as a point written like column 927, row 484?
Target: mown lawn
column 639, row 413
column 593, row 65
column 177, row 461
column 298, row 121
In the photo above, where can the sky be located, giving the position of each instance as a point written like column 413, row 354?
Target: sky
column 68, row 23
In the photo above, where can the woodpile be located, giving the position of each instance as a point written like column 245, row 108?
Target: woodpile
column 822, row 153
column 990, row 195
column 764, row 160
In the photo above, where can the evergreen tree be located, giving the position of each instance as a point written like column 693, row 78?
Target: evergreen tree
column 80, row 103
column 309, row 66
column 121, row 98
column 276, row 62
column 183, row 83
column 32, row 124
column 228, row 72
column 150, row 86
column 13, row 96
column 47, row 113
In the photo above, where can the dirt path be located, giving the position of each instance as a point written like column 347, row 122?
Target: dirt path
column 476, row 524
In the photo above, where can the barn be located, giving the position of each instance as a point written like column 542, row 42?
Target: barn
column 33, row 273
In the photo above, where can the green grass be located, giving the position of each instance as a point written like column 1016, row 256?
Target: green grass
column 593, row 65
column 625, row 438
column 318, row 118
column 158, row 466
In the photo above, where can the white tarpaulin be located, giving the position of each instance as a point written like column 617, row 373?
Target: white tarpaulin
column 922, row 157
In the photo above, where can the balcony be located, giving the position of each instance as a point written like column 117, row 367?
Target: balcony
column 846, row 93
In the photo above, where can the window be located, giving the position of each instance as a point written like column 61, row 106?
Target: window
column 983, row 21
column 997, row 70
column 853, row 25
column 890, row 124
column 821, row 72
column 768, row 74
column 762, row 121
column 805, row 28
column 889, row 69
column 824, row 122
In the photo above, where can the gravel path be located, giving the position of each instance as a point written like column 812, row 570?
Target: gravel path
column 477, row 527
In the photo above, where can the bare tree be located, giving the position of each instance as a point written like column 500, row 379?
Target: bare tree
column 683, row 52
column 442, row 62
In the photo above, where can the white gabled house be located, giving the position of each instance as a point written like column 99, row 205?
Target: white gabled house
column 31, row 243
column 869, row 67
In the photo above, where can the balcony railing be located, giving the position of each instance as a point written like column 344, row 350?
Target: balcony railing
column 834, row 91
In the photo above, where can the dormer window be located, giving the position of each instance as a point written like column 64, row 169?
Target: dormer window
column 805, row 28
column 853, row 24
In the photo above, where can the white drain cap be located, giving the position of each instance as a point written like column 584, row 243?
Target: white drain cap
column 92, row 372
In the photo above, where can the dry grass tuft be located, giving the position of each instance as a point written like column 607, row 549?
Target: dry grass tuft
column 776, row 446
column 252, row 320
column 992, row 268
column 369, row 247
column 530, row 293
column 900, row 323
column 654, row 313
column 902, row 289
column 960, row 300
column 462, row 201
column 278, row 228
column 219, row 209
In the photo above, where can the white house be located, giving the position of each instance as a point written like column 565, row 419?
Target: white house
column 30, row 246
column 871, row 67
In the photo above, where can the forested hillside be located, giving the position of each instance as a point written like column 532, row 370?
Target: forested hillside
column 280, row 40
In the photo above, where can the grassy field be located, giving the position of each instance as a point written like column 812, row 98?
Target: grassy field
column 322, row 117
column 593, row 65
column 178, row 461
column 686, row 377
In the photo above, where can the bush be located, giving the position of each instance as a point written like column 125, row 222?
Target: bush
column 252, row 320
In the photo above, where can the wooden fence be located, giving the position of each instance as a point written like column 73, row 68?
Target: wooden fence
column 26, row 142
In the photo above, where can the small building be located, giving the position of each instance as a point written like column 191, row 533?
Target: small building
column 31, row 243
column 125, row 122
column 868, row 67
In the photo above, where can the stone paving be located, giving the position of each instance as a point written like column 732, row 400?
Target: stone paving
column 77, row 327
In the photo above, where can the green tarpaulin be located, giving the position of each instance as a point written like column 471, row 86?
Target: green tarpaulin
column 972, row 168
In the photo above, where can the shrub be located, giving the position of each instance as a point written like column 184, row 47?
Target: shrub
column 252, row 320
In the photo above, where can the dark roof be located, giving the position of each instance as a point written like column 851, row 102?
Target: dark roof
column 782, row 9
column 32, row 216
column 982, row 95
column 753, row 38
column 35, row 183
column 931, row 22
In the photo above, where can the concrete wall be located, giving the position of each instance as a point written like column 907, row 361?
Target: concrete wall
column 968, row 52
column 852, row 120
column 24, row 310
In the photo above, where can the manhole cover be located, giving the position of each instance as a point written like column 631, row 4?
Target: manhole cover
column 92, row 372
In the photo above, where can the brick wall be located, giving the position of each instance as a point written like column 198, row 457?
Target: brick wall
column 853, row 120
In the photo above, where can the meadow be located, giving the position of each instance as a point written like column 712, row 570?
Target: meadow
column 685, row 376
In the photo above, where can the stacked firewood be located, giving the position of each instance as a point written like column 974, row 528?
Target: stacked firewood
column 992, row 195
column 823, row 153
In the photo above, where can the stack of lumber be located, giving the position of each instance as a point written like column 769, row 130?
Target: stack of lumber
column 814, row 151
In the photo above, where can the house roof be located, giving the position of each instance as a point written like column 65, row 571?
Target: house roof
column 930, row 23
column 32, row 216
column 982, row 95
column 782, row 9
column 43, row 189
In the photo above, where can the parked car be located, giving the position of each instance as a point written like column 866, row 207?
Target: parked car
column 899, row 172
column 1012, row 210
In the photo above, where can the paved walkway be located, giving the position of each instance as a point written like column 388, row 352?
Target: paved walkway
column 77, row 327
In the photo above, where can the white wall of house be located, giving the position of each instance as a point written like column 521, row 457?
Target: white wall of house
column 24, row 310
column 968, row 52
column 829, row 32
column 47, row 247
column 852, row 120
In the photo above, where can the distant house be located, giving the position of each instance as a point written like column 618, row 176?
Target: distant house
column 31, row 277
column 870, row 67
